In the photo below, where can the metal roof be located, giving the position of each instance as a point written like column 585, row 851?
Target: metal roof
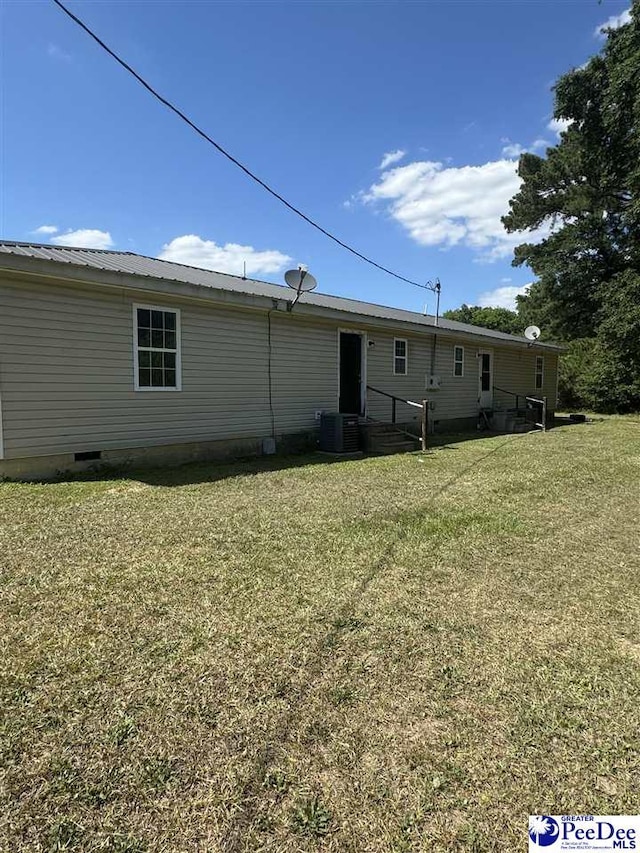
column 154, row 268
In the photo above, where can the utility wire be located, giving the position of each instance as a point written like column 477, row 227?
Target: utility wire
column 230, row 157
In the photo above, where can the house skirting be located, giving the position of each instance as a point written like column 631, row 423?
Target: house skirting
column 59, row 465
column 49, row 467
column 453, row 424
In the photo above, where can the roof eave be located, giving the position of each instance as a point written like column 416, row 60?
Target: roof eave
column 86, row 274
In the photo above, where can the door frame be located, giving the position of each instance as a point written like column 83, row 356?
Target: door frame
column 364, row 346
column 481, row 352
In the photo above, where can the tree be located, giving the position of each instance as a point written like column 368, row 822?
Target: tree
column 613, row 384
column 500, row 319
column 586, row 193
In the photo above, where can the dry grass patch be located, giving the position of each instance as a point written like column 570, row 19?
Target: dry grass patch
column 397, row 654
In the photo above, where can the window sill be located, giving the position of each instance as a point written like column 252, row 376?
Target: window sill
column 155, row 390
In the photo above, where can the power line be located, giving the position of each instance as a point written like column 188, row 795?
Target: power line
column 229, row 156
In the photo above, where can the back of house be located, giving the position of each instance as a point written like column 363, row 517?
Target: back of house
column 110, row 356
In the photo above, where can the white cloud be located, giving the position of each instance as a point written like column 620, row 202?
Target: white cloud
column 502, row 297
column 559, row 125
column 352, row 201
column 512, row 150
column 46, row 229
column 54, row 51
column 613, row 23
column 194, row 251
column 84, row 238
column 390, row 158
column 454, row 206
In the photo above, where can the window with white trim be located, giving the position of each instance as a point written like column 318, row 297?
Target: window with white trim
column 458, row 361
column 156, row 348
column 400, row 358
column 539, row 372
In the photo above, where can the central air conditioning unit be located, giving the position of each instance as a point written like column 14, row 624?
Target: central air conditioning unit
column 432, row 383
column 339, row 433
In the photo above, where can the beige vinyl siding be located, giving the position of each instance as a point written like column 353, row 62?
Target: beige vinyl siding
column 66, row 373
column 379, row 374
column 457, row 396
column 304, row 371
column 515, row 371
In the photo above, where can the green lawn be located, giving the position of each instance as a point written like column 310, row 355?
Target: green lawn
column 393, row 654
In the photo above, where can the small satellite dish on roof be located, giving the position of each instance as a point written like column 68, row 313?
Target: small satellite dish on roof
column 532, row 333
column 301, row 281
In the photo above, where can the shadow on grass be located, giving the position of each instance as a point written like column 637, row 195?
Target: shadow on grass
column 187, row 473
column 211, row 471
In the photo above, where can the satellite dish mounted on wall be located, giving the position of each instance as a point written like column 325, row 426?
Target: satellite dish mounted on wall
column 301, row 281
column 532, row 333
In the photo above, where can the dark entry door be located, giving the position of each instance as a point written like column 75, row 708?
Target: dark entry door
column 350, row 373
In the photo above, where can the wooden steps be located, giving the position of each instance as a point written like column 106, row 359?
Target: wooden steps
column 385, row 439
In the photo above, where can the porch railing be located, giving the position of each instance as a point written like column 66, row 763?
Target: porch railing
column 517, row 397
column 542, row 403
column 423, row 406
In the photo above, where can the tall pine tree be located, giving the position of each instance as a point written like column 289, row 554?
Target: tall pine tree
column 587, row 192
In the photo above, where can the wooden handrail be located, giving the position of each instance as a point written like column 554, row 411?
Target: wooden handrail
column 543, row 403
column 541, row 400
column 423, row 406
column 511, row 393
column 393, row 397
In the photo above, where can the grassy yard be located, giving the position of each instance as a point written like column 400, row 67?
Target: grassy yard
column 393, row 654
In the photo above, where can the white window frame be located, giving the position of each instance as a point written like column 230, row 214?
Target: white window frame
column 405, row 341
column 136, row 376
column 540, row 373
column 456, row 361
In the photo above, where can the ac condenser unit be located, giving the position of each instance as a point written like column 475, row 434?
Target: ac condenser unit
column 339, row 433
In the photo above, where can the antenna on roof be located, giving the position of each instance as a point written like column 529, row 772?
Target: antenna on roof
column 301, row 281
column 435, row 287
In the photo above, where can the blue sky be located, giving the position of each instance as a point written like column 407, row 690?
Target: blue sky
column 311, row 96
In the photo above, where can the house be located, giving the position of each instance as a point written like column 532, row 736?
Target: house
column 114, row 356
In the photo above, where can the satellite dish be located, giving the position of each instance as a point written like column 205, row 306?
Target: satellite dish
column 532, row 333
column 300, row 280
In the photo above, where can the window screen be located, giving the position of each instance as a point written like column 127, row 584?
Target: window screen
column 539, row 372
column 458, row 361
column 400, row 356
column 157, row 348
